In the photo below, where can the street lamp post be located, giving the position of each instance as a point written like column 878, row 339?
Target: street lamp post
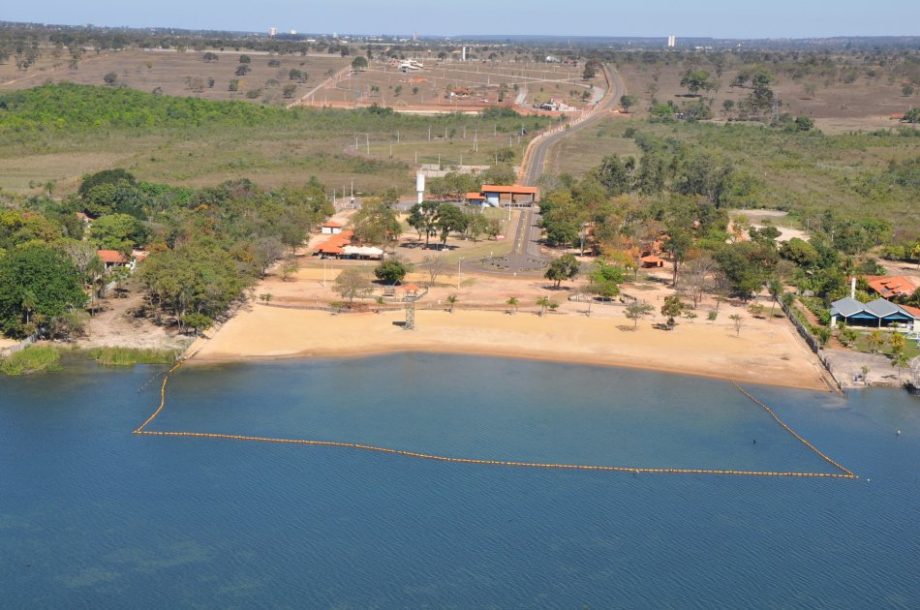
column 459, row 262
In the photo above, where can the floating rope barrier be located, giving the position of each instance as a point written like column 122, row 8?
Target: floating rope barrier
column 795, row 434
column 844, row 474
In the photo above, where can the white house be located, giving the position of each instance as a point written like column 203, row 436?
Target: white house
column 331, row 227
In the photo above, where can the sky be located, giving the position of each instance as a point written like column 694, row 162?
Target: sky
column 713, row 18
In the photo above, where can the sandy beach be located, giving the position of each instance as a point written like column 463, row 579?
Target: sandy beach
column 768, row 352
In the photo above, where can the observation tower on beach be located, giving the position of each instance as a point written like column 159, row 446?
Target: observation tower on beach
column 410, row 296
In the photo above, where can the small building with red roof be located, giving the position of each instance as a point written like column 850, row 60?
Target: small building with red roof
column 513, row 194
column 335, row 245
column 331, row 227
column 112, row 259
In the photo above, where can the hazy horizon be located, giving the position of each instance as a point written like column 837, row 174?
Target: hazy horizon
column 583, row 18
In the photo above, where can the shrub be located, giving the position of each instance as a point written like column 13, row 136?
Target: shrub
column 33, row 359
column 125, row 356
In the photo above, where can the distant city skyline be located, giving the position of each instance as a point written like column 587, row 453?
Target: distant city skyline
column 653, row 18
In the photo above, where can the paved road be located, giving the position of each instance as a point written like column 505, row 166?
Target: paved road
column 525, row 257
column 539, row 149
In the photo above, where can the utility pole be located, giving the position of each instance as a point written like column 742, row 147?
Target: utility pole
column 368, row 136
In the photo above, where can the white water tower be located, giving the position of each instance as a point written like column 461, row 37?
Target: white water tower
column 420, row 186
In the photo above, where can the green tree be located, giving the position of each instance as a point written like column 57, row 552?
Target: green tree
column 359, row 63
column 672, row 309
column 897, row 343
column 746, row 266
column 245, row 59
column 423, row 217
column 110, row 78
column 875, row 341
column 196, row 277
column 392, row 271
column 677, row 245
column 775, row 287
column 544, row 303
column 38, row 287
column 638, row 310
column 697, row 80
column 566, row 267
column 616, row 175
column 512, row 302
column 108, row 176
column 627, row 102
column 376, row 223
column 800, row 252
column 118, row 232
column 197, row 322
column 604, row 280
column 804, row 123
column 451, row 219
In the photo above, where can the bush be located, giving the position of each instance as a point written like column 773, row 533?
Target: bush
column 33, row 359
column 391, row 271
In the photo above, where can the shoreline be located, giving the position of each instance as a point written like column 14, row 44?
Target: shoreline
column 215, row 360
column 265, row 334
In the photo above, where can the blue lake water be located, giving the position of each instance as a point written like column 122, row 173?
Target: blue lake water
column 93, row 516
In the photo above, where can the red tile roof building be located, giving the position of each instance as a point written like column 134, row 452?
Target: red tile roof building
column 890, row 286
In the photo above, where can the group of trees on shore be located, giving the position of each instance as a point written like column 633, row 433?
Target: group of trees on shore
column 675, row 201
column 204, row 246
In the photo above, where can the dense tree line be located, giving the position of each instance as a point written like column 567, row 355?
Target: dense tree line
column 73, row 108
column 205, row 247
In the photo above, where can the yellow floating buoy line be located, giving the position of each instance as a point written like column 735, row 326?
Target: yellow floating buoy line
column 843, row 474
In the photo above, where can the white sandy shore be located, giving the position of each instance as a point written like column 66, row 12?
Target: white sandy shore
column 767, row 352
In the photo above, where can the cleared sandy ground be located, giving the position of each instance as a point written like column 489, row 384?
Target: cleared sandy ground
column 765, row 352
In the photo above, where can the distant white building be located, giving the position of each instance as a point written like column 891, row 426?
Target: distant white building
column 672, row 41
column 272, row 32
